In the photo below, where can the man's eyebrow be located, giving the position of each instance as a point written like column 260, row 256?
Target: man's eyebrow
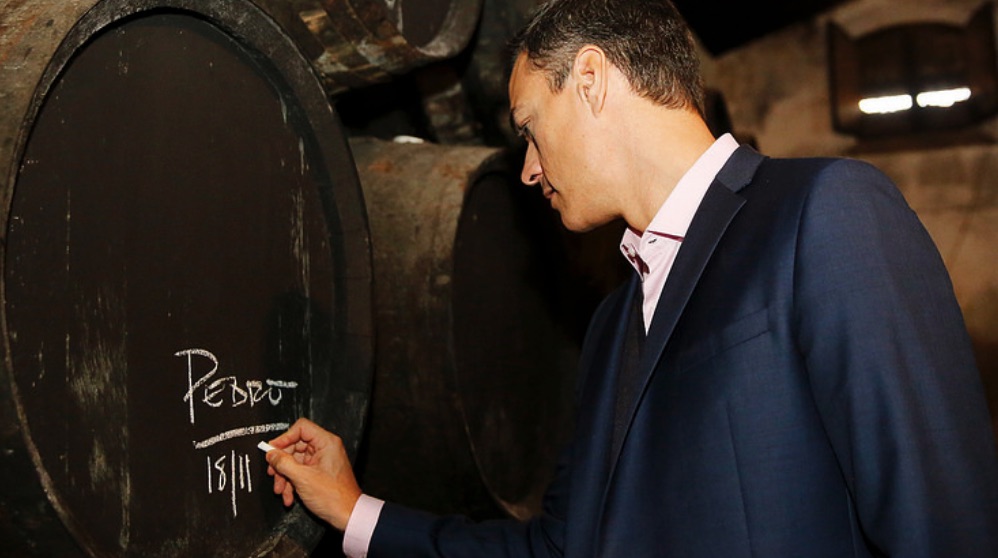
column 520, row 129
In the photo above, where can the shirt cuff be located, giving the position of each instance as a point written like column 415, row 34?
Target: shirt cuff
column 360, row 526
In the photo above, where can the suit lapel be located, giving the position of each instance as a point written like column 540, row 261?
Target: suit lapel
column 719, row 206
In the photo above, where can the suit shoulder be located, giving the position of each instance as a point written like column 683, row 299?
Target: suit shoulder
column 824, row 167
column 833, row 180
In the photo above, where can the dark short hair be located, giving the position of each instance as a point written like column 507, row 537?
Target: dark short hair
column 647, row 40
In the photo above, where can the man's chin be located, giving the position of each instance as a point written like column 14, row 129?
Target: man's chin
column 576, row 226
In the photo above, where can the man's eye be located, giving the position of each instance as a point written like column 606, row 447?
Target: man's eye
column 521, row 129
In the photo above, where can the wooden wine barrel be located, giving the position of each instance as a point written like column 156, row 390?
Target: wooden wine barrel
column 480, row 312
column 356, row 43
column 185, row 271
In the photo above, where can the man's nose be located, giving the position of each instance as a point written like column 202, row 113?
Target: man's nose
column 531, row 173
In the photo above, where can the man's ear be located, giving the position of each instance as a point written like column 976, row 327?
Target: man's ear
column 591, row 71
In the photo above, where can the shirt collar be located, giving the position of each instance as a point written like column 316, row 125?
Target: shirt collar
column 674, row 217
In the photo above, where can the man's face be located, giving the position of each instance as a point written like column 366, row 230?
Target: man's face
column 561, row 147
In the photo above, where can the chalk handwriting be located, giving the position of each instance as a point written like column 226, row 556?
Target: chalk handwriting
column 245, row 431
column 230, row 474
column 213, row 390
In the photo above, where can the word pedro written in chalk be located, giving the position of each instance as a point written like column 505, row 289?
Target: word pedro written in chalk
column 213, row 390
column 229, row 473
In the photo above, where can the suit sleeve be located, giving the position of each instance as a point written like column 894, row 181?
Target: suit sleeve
column 406, row 532
column 892, row 371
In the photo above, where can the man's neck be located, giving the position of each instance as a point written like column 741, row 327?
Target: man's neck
column 663, row 145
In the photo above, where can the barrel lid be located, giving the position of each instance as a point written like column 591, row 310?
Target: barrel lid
column 186, row 270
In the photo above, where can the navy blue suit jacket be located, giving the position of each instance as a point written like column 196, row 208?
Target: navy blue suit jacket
column 808, row 389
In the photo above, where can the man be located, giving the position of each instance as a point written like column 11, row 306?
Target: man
column 787, row 374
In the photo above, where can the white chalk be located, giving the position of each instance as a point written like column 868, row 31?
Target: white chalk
column 265, row 447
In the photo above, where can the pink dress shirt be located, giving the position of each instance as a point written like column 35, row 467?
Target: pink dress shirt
column 653, row 253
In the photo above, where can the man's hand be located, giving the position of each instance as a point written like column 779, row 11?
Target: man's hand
column 314, row 463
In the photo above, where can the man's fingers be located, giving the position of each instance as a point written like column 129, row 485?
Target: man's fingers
column 285, row 468
column 281, row 462
column 303, row 430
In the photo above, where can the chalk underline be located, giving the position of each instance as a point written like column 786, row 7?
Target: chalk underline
column 239, row 432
